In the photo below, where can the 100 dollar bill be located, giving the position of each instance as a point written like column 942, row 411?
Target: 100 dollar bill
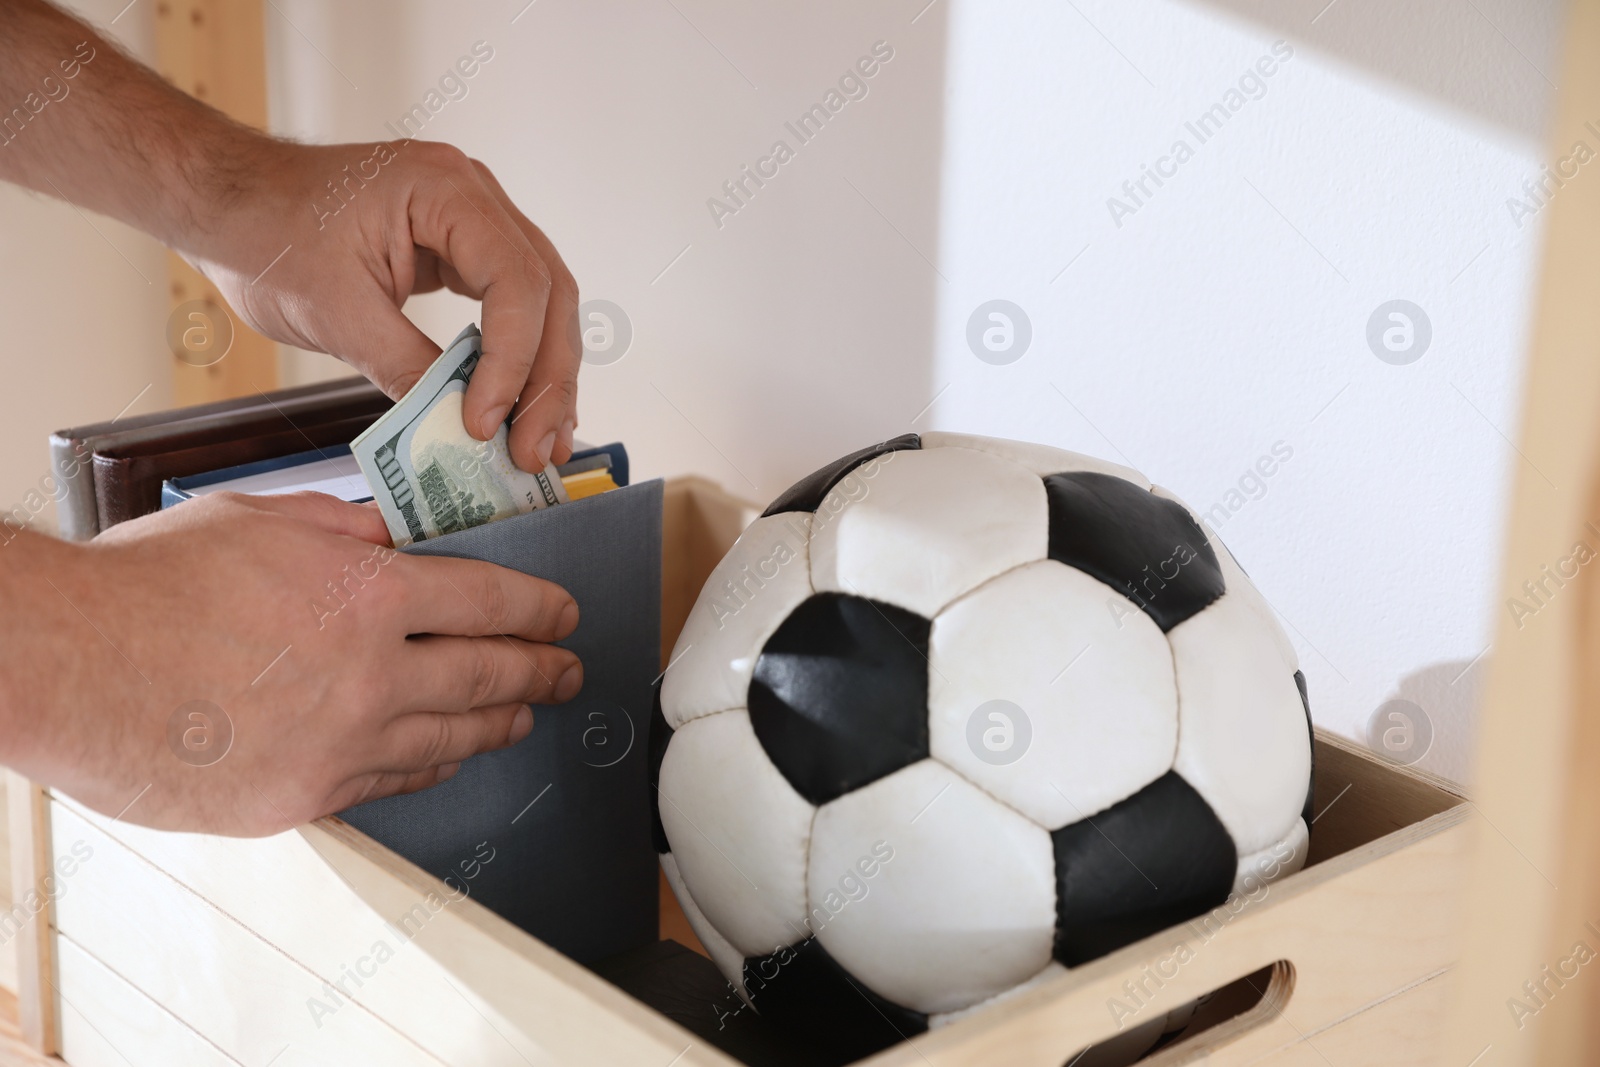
column 429, row 475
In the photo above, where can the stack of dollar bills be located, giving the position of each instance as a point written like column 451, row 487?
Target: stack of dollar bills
column 430, row 476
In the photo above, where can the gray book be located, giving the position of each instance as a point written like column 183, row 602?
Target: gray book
column 563, row 816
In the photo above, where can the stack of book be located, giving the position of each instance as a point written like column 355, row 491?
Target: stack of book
column 567, row 809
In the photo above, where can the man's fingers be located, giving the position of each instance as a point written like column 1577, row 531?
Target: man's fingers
column 445, row 276
column 460, row 220
column 546, row 413
column 327, row 513
column 470, row 598
column 457, row 674
column 426, row 740
column 378, row 784
column 391, row 351
column 426, row 272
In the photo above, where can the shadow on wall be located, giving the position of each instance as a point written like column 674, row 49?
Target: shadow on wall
column 1495, row 60
column 1431, row 723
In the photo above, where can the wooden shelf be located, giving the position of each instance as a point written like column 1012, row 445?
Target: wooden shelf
column 14, row 1052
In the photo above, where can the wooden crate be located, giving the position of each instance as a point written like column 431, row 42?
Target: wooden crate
column 181, row 948
column 8, row 950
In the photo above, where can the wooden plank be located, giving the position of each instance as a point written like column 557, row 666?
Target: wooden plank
column 106, row 1022
column 1360, row 798
column 249, row 366
column 8, row 951
column 700, row 521
column 215, row 51
column 27, row 924
column 577, row 1016
column 1357, row 928
column 1399, row 1031
column 674, row 924
column 278, row 889
column 1572, row 1034
column 1274, row 995
column 236, row 990
column 14, row 1052
column 676, row 598
column 1539, row 738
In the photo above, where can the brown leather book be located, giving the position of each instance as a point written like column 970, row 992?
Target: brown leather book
column 127, row 479
column 112, row 471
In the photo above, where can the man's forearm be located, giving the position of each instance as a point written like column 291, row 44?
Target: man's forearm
column 81, row 121
column 40, row 646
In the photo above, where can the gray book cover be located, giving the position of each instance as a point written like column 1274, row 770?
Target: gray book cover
column 553, row 833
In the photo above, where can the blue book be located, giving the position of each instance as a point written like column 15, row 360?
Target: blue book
column 331, row 470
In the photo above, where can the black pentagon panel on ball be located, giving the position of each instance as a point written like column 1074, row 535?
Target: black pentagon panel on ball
column 839, row 695
column 802, row 991
column 1144, row 864
column 1144, row 546
column 808, row 493
column 660, row 735
column 1307, row 811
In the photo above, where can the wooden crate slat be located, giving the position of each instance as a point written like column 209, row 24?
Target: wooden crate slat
column 1357, row 928
column 105, row 1022
column 28, row 815
column 1534, row 882
column 241, row 993
column 577, row 1016
column 281, row 891
column 214, row 50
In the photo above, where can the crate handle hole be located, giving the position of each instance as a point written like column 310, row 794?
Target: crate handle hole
column 1194, row 1030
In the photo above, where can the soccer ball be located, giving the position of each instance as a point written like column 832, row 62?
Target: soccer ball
column 956, row 713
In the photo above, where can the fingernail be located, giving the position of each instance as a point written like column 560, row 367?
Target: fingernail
column 569, row 620
column 568, row 684
column 448, row 771
column 565, row 437
column 492, row 421
column 521, row 725
column 544, row 447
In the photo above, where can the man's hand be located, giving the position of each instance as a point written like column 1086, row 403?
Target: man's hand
column 350, row 231
column 318, row 246
column 347, row 671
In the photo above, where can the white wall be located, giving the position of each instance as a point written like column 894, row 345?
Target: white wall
column 83, row 308
column 1225, row 315
column 1229, row 312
